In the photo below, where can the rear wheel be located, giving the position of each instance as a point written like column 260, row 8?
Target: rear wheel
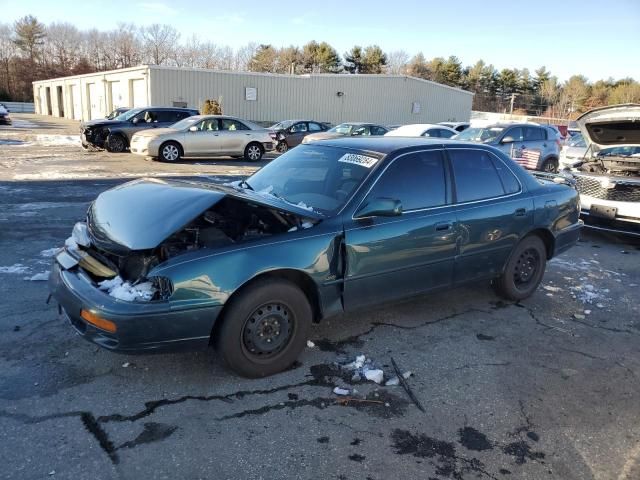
column 264, row 328
column 115, row 143
column 550, row 165
column 253, row 152
column 170, row 152
column 524, row 270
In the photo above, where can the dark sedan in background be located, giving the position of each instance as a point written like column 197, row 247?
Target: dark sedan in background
column 290, row 133
column 324, row 229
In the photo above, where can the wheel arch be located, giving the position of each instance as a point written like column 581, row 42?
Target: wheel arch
column 547, row 238
column 119, row 133
column 297, row 277
column 171, row 140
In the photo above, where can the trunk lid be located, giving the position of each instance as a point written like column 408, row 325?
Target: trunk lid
column 141, row 214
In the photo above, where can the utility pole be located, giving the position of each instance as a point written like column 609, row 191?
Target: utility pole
column 513, row 97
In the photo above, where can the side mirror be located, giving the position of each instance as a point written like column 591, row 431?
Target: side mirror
column 508, row 139
column 135, row 120
column 380, row 207
column 193, row 128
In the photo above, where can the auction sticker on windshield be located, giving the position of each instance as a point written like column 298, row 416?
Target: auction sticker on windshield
column 356, row 159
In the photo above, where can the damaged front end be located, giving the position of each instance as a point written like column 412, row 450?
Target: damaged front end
column 135, row 228
column 608, row 178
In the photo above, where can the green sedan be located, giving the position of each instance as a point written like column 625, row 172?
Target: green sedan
column 324, row 229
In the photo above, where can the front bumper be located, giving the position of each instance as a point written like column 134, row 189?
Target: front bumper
column 141, row 326
column 268, row 146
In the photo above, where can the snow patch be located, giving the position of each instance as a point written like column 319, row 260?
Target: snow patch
column 50, row 252
column 39, row 277
column 15, row 268
column 58, row 140
column 118, row 288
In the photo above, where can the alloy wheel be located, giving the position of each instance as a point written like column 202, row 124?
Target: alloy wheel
column 254, row 153
column 170, row 153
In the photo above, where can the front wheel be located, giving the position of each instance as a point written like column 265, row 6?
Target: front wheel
column 253, row 152
column 282, row 146
column 550, row 166
column 170, row 152
column 524, row 270
column 115, row 143
column 264, row 328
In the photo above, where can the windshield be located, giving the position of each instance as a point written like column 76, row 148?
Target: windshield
column 282, row 125
column 629, row 151
column 311, row 176
column 483, row 135
column 185, row 123
column 343, row 129
column 129, row 114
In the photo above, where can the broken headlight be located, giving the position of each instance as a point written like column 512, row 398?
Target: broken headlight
column 163, row 286
column 80, row 234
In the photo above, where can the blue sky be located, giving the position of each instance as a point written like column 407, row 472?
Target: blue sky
column 598, row 39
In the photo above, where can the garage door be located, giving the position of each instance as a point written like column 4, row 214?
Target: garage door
column 95, row 102
column 115, row 94
column 139, row 91
column 76, row 105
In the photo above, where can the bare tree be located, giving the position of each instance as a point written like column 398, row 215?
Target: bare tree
column 8, row 51
column 63, row 43
column 159, row 42
column 244, row 56
column 397, row 62
column 127, row 45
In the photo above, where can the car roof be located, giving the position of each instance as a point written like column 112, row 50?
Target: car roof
column 361, row 123
column 384, row 145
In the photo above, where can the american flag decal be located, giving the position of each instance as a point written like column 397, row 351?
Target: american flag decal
column 527, row 157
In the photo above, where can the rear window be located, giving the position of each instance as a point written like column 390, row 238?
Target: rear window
column 476, row 177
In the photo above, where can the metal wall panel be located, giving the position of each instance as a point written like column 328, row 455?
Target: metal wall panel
column 376, row 98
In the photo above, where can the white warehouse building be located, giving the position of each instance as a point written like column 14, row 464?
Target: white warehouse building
column 261, row 97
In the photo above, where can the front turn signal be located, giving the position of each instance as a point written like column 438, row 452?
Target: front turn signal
column 97, row 321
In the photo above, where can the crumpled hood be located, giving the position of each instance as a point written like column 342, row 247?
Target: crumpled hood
column 102, row 122
column 141, row 214
column 614, row 126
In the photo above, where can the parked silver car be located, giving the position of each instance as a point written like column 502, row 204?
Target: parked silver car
column 204, row 136
column 516, row 138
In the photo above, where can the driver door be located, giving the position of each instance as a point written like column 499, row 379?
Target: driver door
column 296, row 133
column 393, row 257
column 205, row 140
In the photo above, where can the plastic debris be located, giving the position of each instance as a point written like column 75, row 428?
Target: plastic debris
column 578, row 316
column 587, row 312
column 341, row 391
column 39, row 277
column 407, row 374
column 118, row 288
column 392, row 382
column 125, row 364
column 374, row 375
column 310, row 344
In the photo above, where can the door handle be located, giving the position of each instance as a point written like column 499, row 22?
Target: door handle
column 520, row 212
column 444, row 226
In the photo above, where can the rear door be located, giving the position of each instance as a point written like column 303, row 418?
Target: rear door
column 233, row 136
column 492, row 212
column 536, row 138
column 297, row 132
column 394, row 257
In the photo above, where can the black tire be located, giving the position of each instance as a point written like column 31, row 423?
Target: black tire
column 282, row 146
column 253, row 152
column 252, row 340
column 550, row 165
column 169, row 152
column 524, row 270
column 116, row 143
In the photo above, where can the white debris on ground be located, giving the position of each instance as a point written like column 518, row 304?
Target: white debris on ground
column 374, row 375
column 39, row 277
column 15, row 268
column 587, row 293
column 118, row 288
column 310, row 344
column 364, row 368
column 392, row 382
column 341, row 391
column 71, row 243
column 552, row 289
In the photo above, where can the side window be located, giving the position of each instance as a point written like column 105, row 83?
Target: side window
column 431, row 133
column 165, row 116
column 314, row 127
column 509, row 180
column 417, row 180
column 362, row 131
column 533, row 134
column 299, row 128
column 475, row 175
column 516, row 133
column 232, row 125
column 181, row 115
column 445, row 133
column 208, row 125
column 378, row 131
